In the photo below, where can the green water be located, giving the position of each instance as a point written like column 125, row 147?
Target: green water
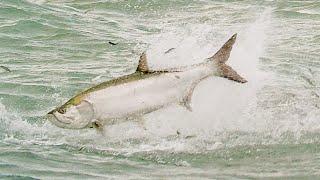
column 267, row 128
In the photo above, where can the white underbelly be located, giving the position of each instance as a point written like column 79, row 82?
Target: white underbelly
column 142, row 96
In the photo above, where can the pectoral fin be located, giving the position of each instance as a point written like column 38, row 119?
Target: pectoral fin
column 99, row 126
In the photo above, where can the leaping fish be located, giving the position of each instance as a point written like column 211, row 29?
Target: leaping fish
column 141, row 92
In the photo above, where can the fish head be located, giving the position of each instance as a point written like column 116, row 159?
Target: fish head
column 71, row 116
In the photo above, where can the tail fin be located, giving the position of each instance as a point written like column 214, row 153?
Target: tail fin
column 222, row 56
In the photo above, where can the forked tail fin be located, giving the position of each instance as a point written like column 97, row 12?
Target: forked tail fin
column 221, row 57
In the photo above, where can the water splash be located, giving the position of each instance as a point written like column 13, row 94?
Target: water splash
column 224, row 111
column 221, row 105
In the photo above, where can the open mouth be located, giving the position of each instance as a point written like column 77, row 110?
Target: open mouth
column 77, row 117
column 56, row 121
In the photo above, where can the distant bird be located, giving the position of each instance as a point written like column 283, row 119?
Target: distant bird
column 112, row 43
column 169, row 50
column 5, row 68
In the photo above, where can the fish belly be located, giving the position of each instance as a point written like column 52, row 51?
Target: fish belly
column 142, row 96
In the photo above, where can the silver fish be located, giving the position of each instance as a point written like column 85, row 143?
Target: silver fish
column 141, row 92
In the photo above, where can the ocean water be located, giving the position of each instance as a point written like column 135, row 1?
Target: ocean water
column 267, row 128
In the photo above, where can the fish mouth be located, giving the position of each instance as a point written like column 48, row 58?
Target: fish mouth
column 65, row 122
column 51, row 112
column 78, row 117
column 53, row 116
column 56, row 121
column 60, row 120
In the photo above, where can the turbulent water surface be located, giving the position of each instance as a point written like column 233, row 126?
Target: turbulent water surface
column 267, row 128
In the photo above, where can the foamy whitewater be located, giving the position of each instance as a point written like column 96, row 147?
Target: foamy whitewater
column 266, row 128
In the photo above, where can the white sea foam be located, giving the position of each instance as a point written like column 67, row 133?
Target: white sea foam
column 219, row 104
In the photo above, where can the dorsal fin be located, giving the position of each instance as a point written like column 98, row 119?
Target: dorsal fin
column 143, row 64
column 223, row 54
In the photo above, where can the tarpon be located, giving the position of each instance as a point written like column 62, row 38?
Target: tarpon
column 141, row 92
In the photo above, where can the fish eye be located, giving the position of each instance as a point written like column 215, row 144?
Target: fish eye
column 62, row 111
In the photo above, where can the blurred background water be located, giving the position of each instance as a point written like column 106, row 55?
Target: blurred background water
column 267, row 128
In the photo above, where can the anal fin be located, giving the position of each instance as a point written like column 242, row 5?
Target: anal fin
column 186, row 100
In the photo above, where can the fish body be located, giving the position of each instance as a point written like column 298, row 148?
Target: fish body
column 145, row 95
column 139, row 93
